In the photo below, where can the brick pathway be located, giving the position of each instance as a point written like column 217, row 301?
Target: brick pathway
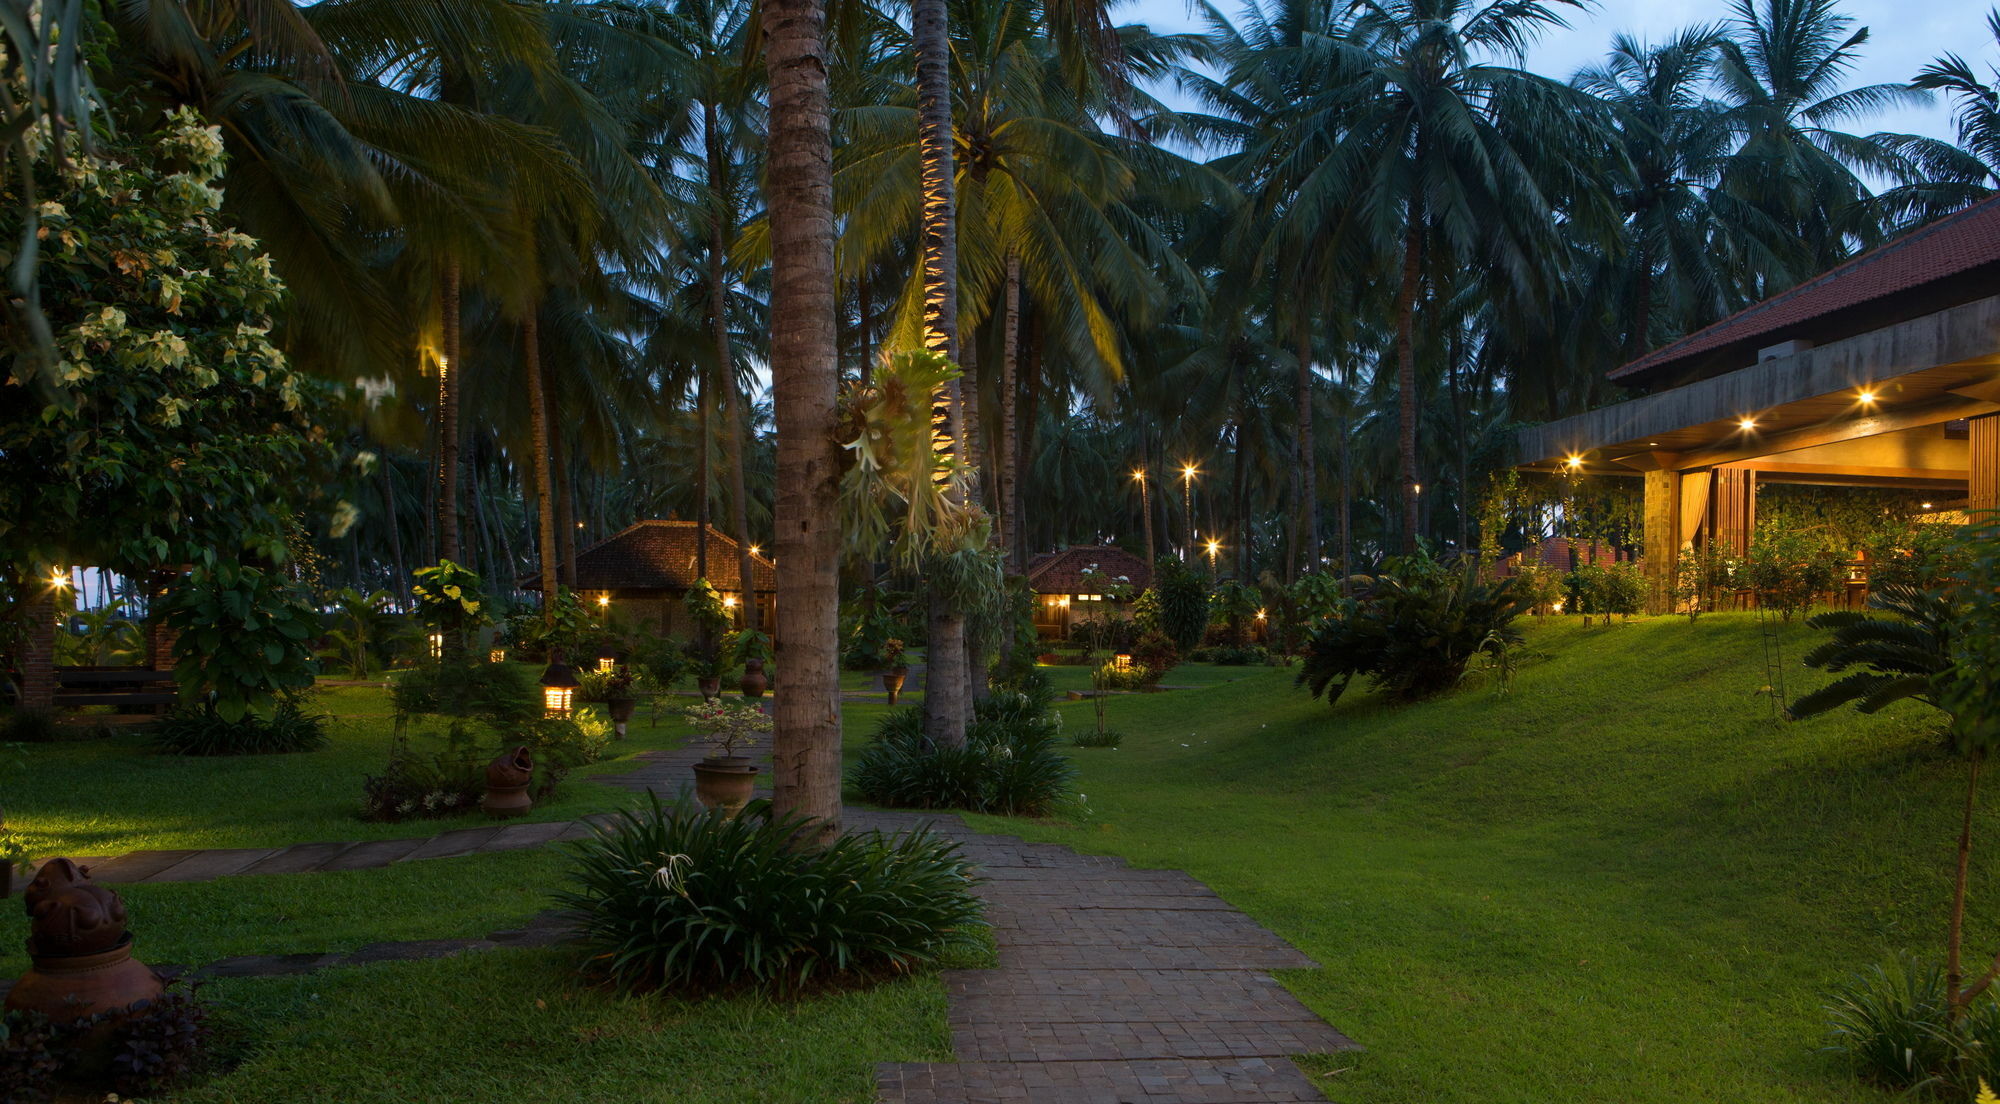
column 1114, row 986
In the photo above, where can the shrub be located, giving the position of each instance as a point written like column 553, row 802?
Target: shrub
column 1538, row 586
column 1009, row 763
column 1095, row 738
column 414, row 785
column 30, row 726
column 660, row 659
column 31, row 1054
column 151, row 1045
column 1604, row 590
column 1914, row 553
column 500, row 694
column 1787, row 571
column 1109, row 677
column 676, row 898
column 1181, row 598
column 1893, row 1023
column 1412, row 632
column 1156, row 653
column 1701, row 580
column 198, row 730
column 1227, row 656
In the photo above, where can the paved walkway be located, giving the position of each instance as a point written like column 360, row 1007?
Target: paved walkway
column 1114, row 986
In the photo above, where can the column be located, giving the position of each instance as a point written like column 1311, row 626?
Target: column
column 1983, row 464
column 1662, row 538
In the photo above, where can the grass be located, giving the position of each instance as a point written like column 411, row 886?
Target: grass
column 514, row 1027
column 1621, row 881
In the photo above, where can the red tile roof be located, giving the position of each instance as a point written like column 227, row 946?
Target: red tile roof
column 1917, row 261
column 1062, row 572
column 660, row 555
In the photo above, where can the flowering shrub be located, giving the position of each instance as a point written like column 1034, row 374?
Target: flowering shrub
column 726, row 727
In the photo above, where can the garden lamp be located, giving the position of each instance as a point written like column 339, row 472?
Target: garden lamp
column 437, row 645
column 558, row 687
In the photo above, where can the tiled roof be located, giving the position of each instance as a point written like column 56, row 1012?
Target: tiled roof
column 1062, row 572
column 660, row 555
column 1917, row 261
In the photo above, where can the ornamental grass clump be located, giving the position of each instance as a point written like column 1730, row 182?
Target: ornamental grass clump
column 674, row 897
column 1011, row 762
column 200, row 730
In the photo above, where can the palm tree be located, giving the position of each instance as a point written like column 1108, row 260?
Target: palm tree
column 1943, row 177
column 805, row 373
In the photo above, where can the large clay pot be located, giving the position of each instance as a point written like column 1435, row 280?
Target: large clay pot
column 70, row 987
column 725, row 783
column 621, row 713
column 711, row 688
column 754, row 683
column 892, row 681
column 507, row 779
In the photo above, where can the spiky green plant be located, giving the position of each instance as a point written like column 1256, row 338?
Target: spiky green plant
column 1886, row 659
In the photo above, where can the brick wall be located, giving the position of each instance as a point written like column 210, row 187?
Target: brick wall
column 38, row 655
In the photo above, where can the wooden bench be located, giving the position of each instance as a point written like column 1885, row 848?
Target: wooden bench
column 114, row 686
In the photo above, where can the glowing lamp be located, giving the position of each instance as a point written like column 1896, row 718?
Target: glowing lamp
column 558, row 688
column 603, row 600
column 437, row 645
column 59, row 578
column 1927, row 505
column 1574, row 462
column 1121, row 662
column 754, row 550
column 605, row 664
column 729, row 602
column 1260, row 615
column 1139, row 475
column 497, row 655
column 1864, row 396
column 1747, row 424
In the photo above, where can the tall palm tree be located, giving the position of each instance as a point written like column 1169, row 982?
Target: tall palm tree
column 1944, row 177
column 805, row 374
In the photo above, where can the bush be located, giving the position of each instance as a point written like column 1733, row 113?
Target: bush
column 1115, row 633
column 1009, row 763
column 30, row 726
column 1227, row 656
column 499, row 694
column 1156, row 653
column 1180, row 595
column 152, row 1045
column 1600, row 590
column 1915, row 553
column 1893, row 1024
column 1538, row 586
column 1412, row 632
column 677, row 898
column 1786, row 572
column 1092, row 738
column 198, row 730
column 415, row 786
column 1109, row 677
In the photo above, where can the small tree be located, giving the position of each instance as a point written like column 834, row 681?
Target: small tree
column 1701, row 579
column 1182, row 596
column 451, row 600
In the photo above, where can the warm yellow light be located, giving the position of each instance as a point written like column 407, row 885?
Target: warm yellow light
column 579, row 525
column 437, row 645
column 1064, row 600
column 1927, row 505
column 604, row 599
column 730, row 602
column 1260, row 615
column 1558, row 607
column 754, row 550
column 1747, row 423
column 497, row 655
column 1139, row 475
column 444, row 366
column 1865, row 396
column 1121, row 662
column 1189, row 471
column 555, row 699
column 1574, row 462
column 606, row 664
column 1417, row 487
column 59, row 578
column 1214, row 547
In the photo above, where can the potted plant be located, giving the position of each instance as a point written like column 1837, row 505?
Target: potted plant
column 725, row 778
column 895, row 671
column 619, row 701
column 707, row 663
column 752, row 649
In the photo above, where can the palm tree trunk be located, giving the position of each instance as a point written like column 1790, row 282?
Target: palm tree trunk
column 1406, row 381
column 1308, row 523
column 1954, row 969
column 701, row 476
column 538, row 434
column 449, row 367
column 565, row 503
column 1346, row 479
column 865, row 337
column 395, row 527
column 1010, row 441
column 725, row 359
column 805, row 377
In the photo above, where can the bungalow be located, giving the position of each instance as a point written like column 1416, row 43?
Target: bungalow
column 1884, row 372
column 1083, row 583
column 643, row 573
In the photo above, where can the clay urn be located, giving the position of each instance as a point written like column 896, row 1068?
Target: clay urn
column 725, row 782
column 80, row 952
column 892, row 681
column 507, row 779
column 754, row 682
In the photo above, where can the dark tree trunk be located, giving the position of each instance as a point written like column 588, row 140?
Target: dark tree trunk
column 545, row 493
column 1406, row 381
column 805, row 377
column 1304, row 455
column 395, row 528
column 449, row 367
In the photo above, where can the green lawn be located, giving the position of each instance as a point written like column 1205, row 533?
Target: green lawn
column 1621, row 881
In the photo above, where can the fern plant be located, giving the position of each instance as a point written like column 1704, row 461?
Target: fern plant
column 1886, row 659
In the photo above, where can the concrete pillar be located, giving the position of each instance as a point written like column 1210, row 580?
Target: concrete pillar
column 1983, row 463
column 1662, row 538
column 38, row 650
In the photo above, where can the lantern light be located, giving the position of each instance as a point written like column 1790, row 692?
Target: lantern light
column 497, row 655
column 729, row 602
column 603, row 600
column 755, row 551
column 437, row 645
column 1139, row 476
column 605, row 664
column 1121, row 662
column 1260, row 615
column 1927, row 505
column 558, row 687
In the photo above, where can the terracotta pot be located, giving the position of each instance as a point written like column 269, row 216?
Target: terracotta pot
column 753, row 683
column 711, row 688
column 892, row 681
column 70, row 987
column 507, row 779
column 621, row 713
column 725, row 783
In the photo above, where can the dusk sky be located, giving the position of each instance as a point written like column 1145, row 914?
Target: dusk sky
column 1904, row 35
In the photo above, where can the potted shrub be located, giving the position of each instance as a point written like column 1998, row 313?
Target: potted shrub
column 707, row 663
column 725, row 778
column 895, row 671
column 752, row 649
column 619, row 701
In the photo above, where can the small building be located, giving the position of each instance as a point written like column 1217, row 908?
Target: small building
column 641, row 575
column 1082, row 583
column 1883, row 372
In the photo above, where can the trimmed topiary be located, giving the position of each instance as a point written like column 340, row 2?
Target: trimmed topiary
column 675, row 897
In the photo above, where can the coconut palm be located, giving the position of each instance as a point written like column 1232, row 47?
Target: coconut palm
column 1943, row 177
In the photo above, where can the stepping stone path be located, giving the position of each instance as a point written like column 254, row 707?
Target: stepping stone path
column 1115, row 985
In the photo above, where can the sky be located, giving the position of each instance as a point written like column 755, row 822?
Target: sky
column 1904, row 35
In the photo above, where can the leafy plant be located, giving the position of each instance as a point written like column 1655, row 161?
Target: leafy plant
column 365, row 630
column 1787, row 571
column 99, row 637
column 1236, row 603
column 1411, row 632
column 244, row 640
column 196, row 730
column 1886, row 659
column 416, row 785
column 1182, row 596
column 1605, row 590
column 728, row 727
column 501, row 695
column 1098, row 738
column 31, row 1054
column 748, row 644
column 660, row 659
column 30, row 726
column 1009, row 763
column 1156, row 653
column 451, row 600
column 676, row 898
column 603, row 686
column 1893, row 1023
column 892, row 654
column 1702, row 578
column 159, row 1042
column 1914, row 552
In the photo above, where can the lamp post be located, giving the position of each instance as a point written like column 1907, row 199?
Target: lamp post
column 558, row 687
column 1146, row 511
column 1188, row 472
column 1214, row 546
